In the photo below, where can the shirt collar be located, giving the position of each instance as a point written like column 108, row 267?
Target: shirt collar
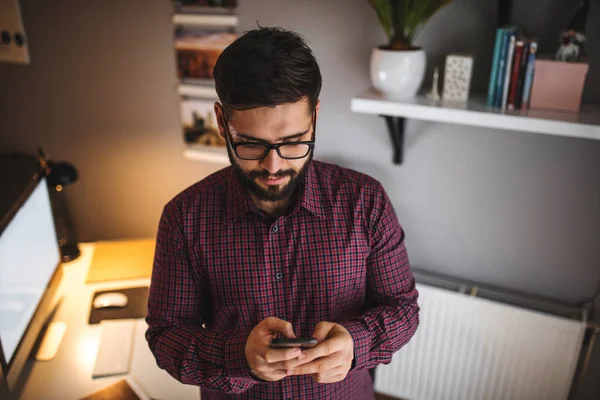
column 239, row 202
column 311, row 197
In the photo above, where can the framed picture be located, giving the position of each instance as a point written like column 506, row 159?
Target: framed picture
column 197, row 52
column 200, row 123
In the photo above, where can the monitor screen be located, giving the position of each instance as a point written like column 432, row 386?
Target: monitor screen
column 29, row 256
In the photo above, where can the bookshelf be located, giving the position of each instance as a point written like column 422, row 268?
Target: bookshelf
column 187, row 88
column 210, row 154
column 196, row 19
column 585, row 124
column 202, row 28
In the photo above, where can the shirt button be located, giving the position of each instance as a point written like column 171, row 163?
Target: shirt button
column 279, row 276
column 275, row 229
column 283, row 319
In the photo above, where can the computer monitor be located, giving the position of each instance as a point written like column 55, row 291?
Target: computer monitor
column 29, row 261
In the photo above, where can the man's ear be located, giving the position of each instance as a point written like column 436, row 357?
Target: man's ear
column 219, row 111
column 317, row 107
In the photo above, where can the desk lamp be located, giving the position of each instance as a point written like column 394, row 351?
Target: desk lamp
column 58, row 175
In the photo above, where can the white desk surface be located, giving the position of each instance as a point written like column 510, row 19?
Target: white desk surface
column 69, row 375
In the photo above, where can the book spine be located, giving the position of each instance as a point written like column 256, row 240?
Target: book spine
column 521, row 79
column 501, row 68
column 494, row 73
column 514, row 77
column 508, row 71
column 529, row 73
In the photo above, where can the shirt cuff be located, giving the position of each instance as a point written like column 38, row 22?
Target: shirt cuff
column 236, row 366
column 362, row 338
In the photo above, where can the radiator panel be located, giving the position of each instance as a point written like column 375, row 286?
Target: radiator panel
column 468, row 348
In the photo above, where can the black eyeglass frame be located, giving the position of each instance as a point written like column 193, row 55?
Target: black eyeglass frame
column 270, row 146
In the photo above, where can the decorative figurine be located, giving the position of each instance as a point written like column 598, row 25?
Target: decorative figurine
column 435, row 93
column 571, row 48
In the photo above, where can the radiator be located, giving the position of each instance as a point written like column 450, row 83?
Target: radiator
column 469, row 348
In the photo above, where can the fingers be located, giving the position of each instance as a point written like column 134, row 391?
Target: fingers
column 319, row 366
column 287, row 365
column 322, row 330
column 262, row 360
column 268, row 374
column 274, row 364
column 321, row 352
column 277, row 355
column 324, row 348
column 334, row 375
column 276, row 325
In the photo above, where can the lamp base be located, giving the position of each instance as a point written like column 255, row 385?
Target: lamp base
column 69, row 252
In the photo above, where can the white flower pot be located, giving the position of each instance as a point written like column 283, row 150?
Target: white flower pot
column 398, row 73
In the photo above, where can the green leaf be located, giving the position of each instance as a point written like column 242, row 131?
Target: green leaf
column 403, row 19
column 383, row 10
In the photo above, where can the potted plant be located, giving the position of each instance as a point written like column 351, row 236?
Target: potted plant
column 398, row 68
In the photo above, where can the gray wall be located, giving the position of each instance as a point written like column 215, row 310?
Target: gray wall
column 510, row 209
column 101, row 93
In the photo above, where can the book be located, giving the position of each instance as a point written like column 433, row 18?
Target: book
column 494, row 70
column 508, row 69
column 502, row 67
column 521, row 78
column 503, row 59
column 514, row 74
column 529, row 73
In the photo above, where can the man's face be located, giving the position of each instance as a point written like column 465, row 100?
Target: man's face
column 272, row 178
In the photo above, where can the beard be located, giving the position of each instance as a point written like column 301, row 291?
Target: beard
column 271, row 193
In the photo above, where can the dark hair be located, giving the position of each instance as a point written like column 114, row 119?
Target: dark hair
column 266, row 67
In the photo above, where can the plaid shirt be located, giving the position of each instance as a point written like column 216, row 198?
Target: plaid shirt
column 221, row 267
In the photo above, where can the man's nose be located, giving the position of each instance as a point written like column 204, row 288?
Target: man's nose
column 272, row 162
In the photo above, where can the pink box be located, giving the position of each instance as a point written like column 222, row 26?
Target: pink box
column 558, row 85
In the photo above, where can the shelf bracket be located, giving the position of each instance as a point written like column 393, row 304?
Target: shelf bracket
column 396, row 127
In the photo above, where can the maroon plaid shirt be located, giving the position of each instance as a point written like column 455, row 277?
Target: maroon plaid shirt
column 338, row 256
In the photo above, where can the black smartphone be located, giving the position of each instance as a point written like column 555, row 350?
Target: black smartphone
column 287, row 343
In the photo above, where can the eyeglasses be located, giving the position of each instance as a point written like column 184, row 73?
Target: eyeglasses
column 258, row 151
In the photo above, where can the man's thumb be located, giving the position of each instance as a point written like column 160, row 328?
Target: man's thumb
column 276, row 325
column 322, row 330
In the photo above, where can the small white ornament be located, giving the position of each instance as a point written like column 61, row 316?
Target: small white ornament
column 435, row 92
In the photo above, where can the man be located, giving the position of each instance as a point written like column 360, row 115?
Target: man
column 278, row 245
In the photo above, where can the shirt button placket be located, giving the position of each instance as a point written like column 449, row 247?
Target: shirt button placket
column 278, row 275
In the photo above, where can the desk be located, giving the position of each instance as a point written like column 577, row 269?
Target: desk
column 69, row 375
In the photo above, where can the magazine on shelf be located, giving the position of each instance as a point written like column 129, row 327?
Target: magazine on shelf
column 197, row 51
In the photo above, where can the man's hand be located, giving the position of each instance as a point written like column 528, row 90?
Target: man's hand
column 266, row 363
column 331, row 359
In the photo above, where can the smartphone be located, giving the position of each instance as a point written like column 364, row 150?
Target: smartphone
column 287, row 343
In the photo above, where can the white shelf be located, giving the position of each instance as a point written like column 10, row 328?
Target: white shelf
column 209, row 154
column 191, row 90
column 585, row 124
column 205, row 19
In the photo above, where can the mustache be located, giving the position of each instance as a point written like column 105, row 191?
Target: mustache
column 266, row 174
